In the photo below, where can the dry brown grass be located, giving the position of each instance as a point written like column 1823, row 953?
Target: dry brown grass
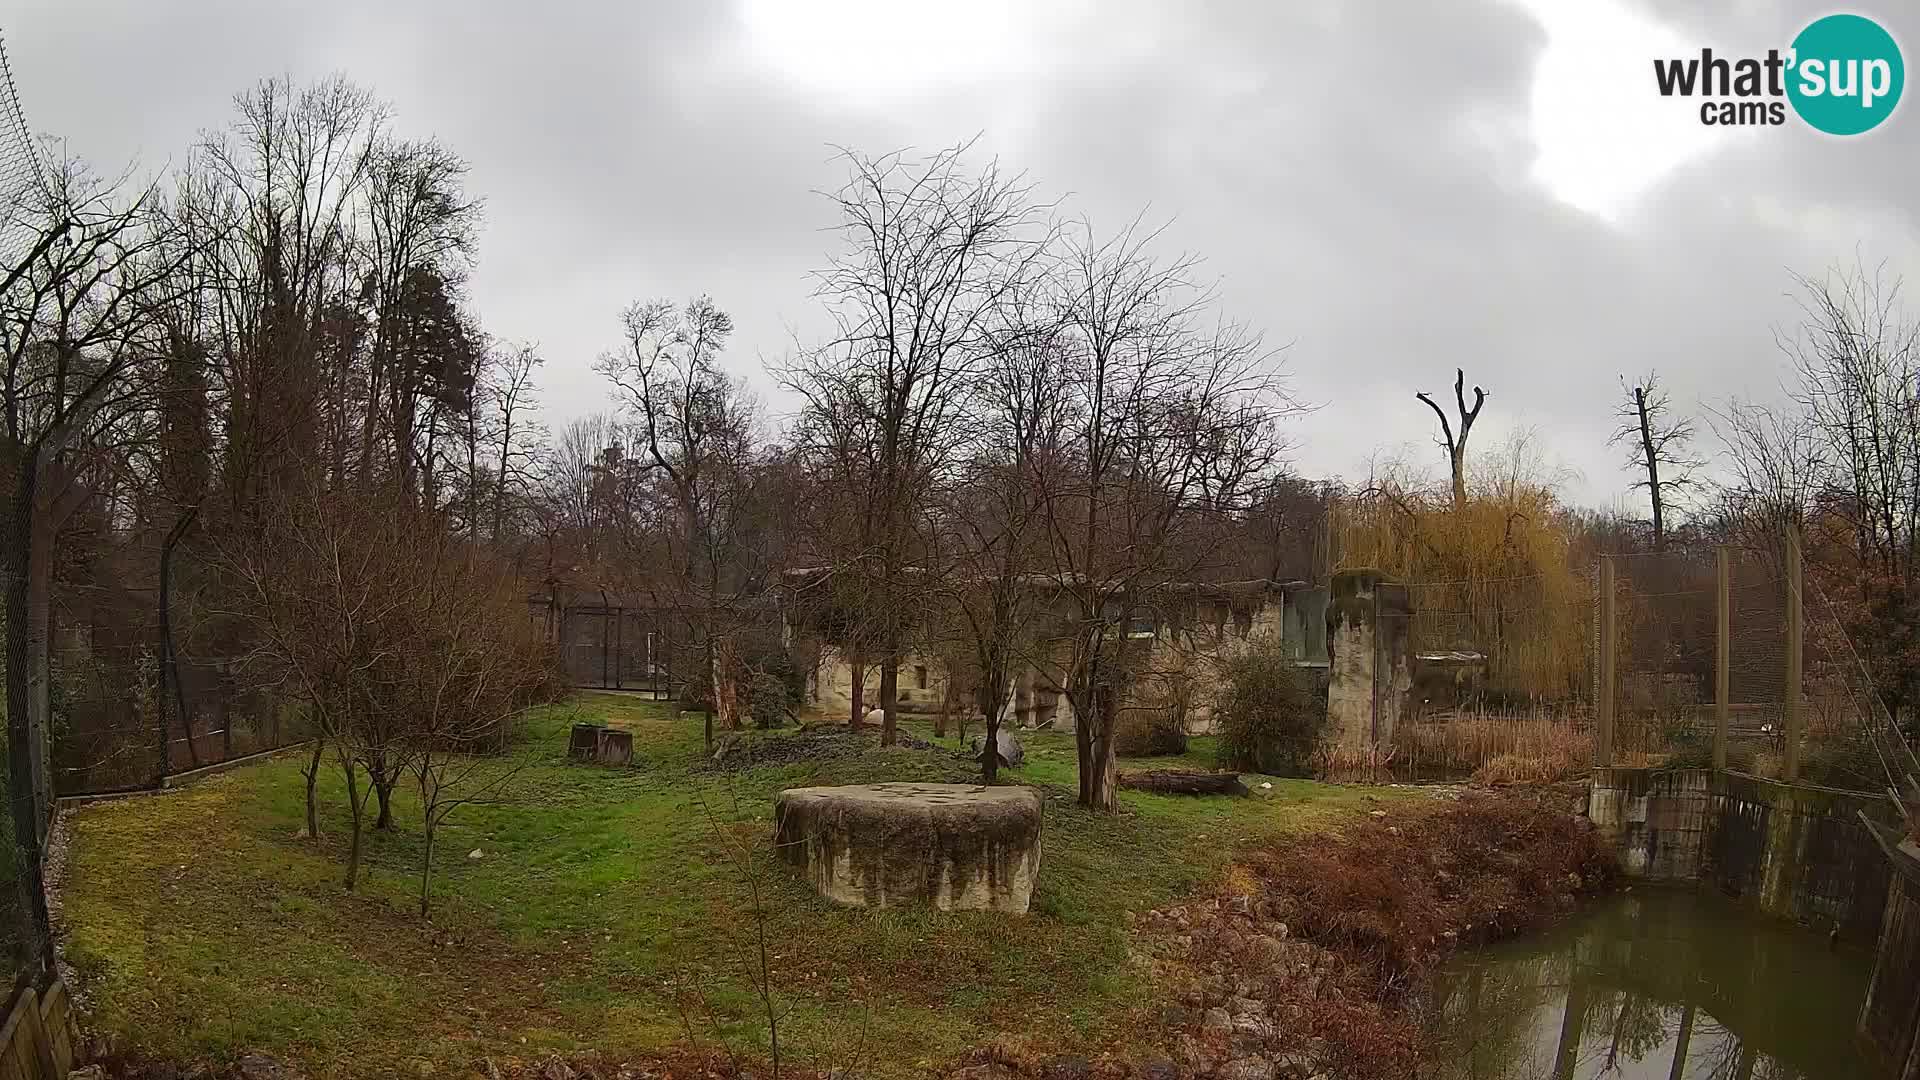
column 1331, row 940
column 1540, row 746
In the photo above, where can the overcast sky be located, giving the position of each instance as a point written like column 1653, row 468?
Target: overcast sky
column 1391, row 189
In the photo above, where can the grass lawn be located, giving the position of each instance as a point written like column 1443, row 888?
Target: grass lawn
column 202, row 926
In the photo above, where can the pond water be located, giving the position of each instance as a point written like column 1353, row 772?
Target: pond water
column 1656, row 984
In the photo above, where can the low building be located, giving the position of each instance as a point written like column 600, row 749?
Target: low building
column 1179, row 649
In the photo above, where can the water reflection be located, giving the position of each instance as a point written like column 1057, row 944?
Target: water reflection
column 1655, row 984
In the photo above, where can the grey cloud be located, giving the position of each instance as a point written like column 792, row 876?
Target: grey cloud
column 1356, row 174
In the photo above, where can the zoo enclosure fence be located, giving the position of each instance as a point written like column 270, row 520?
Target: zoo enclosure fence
column 1732, row 658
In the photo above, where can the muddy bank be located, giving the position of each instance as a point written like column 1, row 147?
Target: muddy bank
column 1309, row 958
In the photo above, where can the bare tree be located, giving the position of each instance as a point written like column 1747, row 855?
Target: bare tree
column 1659, row 446
column 1172, row 426
column 697, row 427
column 931, row 248
column 408, row 645
column 992, row 519
column 76, row 319
column 510, row 394
column 1456, row 445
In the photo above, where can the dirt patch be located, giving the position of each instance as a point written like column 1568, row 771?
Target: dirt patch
column 1309, row 959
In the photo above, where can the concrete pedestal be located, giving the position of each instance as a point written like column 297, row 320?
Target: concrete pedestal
column 955, row 846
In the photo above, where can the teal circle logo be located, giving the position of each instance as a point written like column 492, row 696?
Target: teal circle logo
column 1846, row 74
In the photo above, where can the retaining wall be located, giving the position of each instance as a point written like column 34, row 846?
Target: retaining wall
column 1796, row 851
column 1890, row 1017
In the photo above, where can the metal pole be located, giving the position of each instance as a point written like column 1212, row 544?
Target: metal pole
column 1603, row 736
column 1722, row 656
column 1794, row 642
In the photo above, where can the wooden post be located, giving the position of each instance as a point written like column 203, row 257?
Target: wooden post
column 1722, row 656
column 1794, row 641
column 1603, row 734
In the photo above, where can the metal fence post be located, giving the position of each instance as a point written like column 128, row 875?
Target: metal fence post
column 1795, row 630
column 1603, row 734
column 1722, row 656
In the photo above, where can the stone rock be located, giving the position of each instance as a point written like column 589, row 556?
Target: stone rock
column 1294, row 1066
column 1217, row 1019
column 1192, row 1053
column 1240, row 905
column 1246, row 1068
column 91, row 1072
column 1012, row 754
column 1159, row 1070
column 1244, row 1006
column 476, row 854
column 262, row 1067
column 555, row 1069
column 1068, row 1068
column 875, row 717
column 956, row 846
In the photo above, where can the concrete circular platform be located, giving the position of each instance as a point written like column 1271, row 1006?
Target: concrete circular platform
column 955, row 846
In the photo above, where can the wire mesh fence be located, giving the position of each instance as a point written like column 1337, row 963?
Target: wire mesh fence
column 1499, row 680
column 138, row 694
column 1779, row 665
column 24, row 943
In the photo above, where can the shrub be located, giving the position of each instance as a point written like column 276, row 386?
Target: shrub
column 1149, row 733
column 767, row 700
column 1270, row 719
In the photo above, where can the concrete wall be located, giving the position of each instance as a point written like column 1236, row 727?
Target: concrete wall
column 1890, row 1016
column 1189, row 645
column 1369, row 639
column 1795, row 851
column 831, row 684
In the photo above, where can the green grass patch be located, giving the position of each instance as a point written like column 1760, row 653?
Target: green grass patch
column 204, row 926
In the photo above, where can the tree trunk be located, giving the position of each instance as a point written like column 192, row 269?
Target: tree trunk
column 890, row 699
column 383, row 782
column 945, row 714
column 312, row 774
column 857, row 669
column 426, row 861
column 990, row 746
column 1099, row 772
column 357, row 808
column 1652, row 456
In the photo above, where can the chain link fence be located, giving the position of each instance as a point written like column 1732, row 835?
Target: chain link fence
column 122, row 716
column 1674, row 673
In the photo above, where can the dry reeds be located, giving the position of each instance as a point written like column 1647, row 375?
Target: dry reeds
column 1539, row 746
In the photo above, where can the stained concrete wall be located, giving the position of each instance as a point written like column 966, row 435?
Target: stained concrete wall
column 1371, row 662
column 1795, row 851
column 831, row 684
column 1890, row 1016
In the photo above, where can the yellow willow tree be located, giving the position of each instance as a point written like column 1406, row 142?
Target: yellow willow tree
column 1493, row 574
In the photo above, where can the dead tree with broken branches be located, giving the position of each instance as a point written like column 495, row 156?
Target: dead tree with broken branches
column 1456, row 445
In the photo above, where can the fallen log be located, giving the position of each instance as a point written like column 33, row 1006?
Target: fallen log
column 1183, row 782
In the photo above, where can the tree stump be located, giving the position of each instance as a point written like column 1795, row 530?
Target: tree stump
column 582, row 742
column 955, row 846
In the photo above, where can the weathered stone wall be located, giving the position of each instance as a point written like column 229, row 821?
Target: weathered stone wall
column 831, row 684
column 1371, row 662
column 955, row 846
column 1795, row 851
column 1890, row 1016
